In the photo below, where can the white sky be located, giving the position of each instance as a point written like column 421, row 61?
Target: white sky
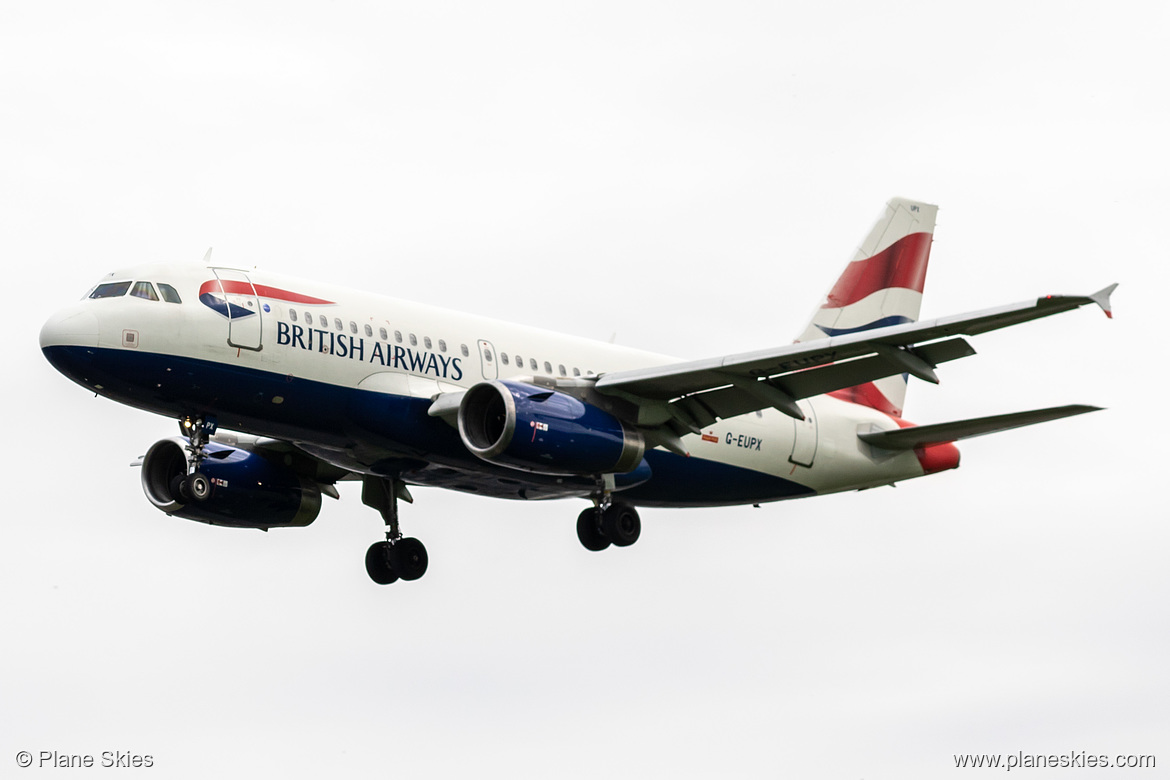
column 691, row 177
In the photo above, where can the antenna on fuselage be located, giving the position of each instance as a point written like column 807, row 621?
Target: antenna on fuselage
column 207, row 257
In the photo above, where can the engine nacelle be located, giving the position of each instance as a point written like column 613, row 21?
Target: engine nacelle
column 546, row 432
column 247, row 490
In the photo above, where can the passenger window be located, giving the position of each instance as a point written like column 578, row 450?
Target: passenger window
column 487, row 355
column 532, row 363
column 547, row 367
column 442, row 346
column 413, row 340
column 576, row 371
column 382, row 333
column 561, row 368
column 398, row 336
column 144, row 290
column 427, row 342
column 292, row 313
column 169, row 294
column 110, row 290
column 369, row 331
column 352, row 326
column 504, row 358
column 463, row 349
column 337, row 323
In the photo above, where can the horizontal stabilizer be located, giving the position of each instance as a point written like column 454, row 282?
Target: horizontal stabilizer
column 925, row 435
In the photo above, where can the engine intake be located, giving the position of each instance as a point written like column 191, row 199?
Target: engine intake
column 544, row 431
column 247, row 489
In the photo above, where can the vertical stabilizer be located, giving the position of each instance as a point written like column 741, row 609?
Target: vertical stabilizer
column 881, row 286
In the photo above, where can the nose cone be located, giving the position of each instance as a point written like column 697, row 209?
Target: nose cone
column 72, row 327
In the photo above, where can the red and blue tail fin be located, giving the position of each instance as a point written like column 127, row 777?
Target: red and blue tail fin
column 881, row 286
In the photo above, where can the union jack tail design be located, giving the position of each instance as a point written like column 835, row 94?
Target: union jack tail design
column 881, row 286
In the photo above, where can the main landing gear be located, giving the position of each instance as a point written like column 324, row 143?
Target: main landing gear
column 600, row 526
column 397, row 557
column 194, row 485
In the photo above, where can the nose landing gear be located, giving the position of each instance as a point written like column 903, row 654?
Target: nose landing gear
column 194, row 484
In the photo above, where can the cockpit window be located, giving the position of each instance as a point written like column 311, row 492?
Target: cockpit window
column 144, row 290
column 169, row 294
column 110, row 290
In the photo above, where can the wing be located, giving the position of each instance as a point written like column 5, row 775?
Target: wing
column 685, row 397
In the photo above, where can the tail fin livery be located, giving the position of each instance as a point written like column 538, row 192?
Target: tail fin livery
column 881, row 286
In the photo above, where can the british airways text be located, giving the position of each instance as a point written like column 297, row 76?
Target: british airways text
column 354, row 348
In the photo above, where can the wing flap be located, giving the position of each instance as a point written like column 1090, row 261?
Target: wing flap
column 733, row 400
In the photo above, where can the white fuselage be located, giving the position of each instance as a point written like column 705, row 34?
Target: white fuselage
column 315, row 335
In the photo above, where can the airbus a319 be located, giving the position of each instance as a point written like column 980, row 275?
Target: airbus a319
column 283, row 387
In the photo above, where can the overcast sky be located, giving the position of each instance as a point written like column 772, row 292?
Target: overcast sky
column 692, row 178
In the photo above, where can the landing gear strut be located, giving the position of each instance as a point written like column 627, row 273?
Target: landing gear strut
column 397, row 557
column 194, row 484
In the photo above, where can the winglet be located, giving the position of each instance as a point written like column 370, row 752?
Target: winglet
column 1101, row 298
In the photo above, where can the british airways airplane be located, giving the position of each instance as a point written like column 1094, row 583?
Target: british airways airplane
column 283, row 387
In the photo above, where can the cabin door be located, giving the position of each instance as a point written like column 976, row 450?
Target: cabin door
column 487, row 359
column 242, row 307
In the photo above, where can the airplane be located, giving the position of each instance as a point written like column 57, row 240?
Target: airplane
column 283, row 388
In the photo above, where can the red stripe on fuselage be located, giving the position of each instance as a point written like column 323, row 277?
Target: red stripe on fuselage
column 901, row 264
column 937, row 457
column 243, row 288
column 933, row 458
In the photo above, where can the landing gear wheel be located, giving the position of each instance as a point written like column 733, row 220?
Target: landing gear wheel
column 621, row 524
column 198, row 485
column 409, row 558
column 378, row 563
column 589, row 530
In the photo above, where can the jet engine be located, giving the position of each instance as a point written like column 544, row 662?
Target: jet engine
column 544, row 431
column 247, row 490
